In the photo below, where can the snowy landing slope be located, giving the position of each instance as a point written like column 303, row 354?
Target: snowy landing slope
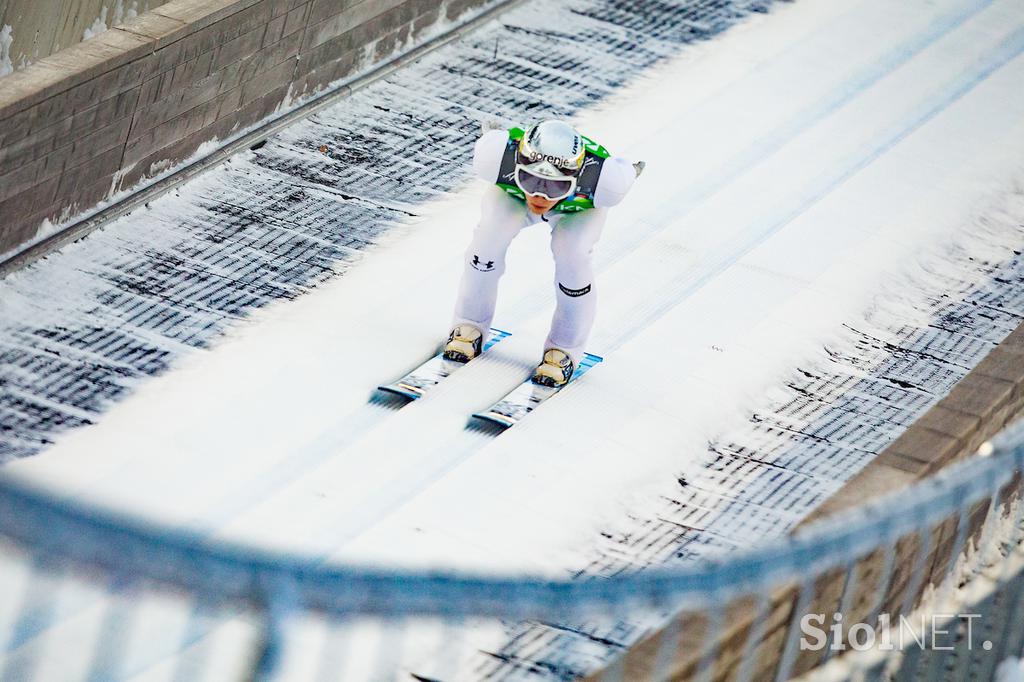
column 817, row 181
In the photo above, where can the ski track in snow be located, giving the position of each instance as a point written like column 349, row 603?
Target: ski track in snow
column 876, row 249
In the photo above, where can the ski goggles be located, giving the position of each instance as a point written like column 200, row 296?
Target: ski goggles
column 549, row 188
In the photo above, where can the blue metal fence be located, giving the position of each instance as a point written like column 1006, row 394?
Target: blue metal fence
column 79, row 586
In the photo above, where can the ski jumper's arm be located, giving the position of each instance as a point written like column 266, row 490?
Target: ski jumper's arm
column 487, row 154
column 617, row 177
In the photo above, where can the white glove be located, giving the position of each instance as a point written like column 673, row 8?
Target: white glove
column 491, row 124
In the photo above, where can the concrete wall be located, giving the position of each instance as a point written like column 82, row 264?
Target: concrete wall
column 98, row 117
column 38, row 28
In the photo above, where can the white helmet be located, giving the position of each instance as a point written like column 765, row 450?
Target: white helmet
column 551, row 151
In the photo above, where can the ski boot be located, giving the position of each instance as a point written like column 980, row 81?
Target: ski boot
column 556, row 369
column 463, row 344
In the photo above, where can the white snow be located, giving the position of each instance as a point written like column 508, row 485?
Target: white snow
column 6, row 38
column 122, row 13
column 119, row 15
column 99, row 25
column 878, row 131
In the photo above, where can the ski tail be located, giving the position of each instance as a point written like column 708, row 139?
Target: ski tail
column 497, row 336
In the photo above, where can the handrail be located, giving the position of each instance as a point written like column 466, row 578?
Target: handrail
column 136, row 550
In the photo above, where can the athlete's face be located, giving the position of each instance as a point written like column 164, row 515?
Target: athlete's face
column 539, row 205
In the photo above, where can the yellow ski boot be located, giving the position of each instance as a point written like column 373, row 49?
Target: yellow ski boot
column 463, row 343
column 556, row 369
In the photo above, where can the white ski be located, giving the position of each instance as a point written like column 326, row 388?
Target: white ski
column 525, row 398
column 416, row 383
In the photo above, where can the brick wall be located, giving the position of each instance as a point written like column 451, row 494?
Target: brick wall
column 98, row 117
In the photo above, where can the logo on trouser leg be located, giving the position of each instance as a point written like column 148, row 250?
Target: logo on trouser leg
column 574, row 292
column 482, row 266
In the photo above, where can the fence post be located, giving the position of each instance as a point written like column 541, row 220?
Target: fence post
column 280, row 600
column 793, row 630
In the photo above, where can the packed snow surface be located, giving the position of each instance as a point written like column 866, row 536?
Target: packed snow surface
column 826, row 169
column 757, row 243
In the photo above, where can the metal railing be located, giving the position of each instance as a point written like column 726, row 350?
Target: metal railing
column 88, row 594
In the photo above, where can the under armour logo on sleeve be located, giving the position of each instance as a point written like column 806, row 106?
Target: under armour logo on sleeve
column 481, row 266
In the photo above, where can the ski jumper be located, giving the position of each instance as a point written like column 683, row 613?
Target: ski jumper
column 575, row 224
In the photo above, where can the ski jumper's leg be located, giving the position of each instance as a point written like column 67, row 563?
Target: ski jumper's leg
column 501, row 218
column 572, row 243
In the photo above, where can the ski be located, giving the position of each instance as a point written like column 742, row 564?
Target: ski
column 526, row 397
column 416, row 383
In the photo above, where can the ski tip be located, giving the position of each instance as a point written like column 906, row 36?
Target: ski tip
column 493, row 419
column 402, row 390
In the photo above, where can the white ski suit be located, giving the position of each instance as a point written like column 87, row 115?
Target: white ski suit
column 573, row 236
